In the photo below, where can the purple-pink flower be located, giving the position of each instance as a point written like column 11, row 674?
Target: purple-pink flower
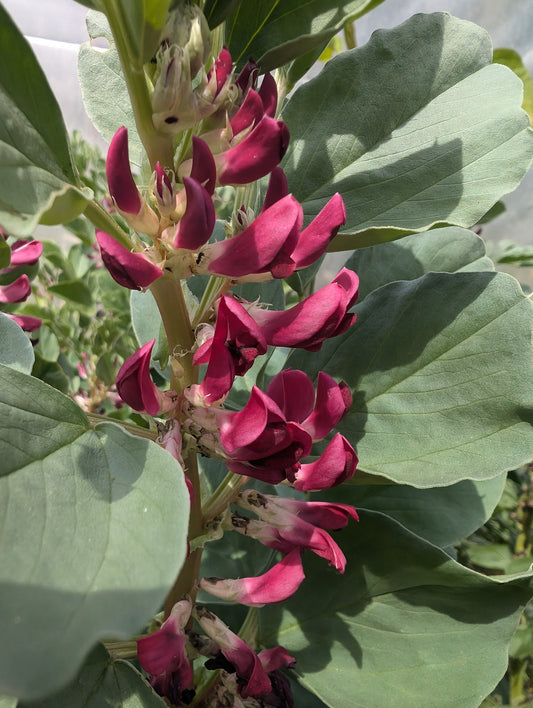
column 135, row 385
column 163, row 655
column 276, row 585
column 129, row 269
column 285, row 524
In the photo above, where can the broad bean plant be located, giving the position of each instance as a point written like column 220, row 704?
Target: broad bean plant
column 227, row 478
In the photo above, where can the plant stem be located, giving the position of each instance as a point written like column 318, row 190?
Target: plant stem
column 225, row 493
column 248, row 630
column 186, row 582
column 180, row 335
column 95, row 418
column 158, row 146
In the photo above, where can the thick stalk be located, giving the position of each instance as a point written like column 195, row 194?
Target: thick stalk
column 180, row 336
column 158, row 146
column 225, row 493
column 186, row 582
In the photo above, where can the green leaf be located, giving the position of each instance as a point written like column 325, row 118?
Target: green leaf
column 5, row 253
column 404, row 129
column 51, row 373
column 216, row 11
column 94, row 527
column 447, row 250
column 35, row 162
column 48, row 345
column 510, row 58
column 104, row 89
column 405, row 623
column 274, row 32
column 75, row 291
column 440, row 371
column 103, row 681
column 15, row 347
column 442, row 515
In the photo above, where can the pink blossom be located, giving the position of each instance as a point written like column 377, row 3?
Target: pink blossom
column 163, row 191
column 196, row 225
column 24, row 252
column 249, row 114
column 319, row 317
column 203, row 168
column 232, row 350
column 286, row 524
column 255, row 156
column 26, row 322
column 122, row 186
column 276, row 585
column 123, row 189
column 135, row 385
column 293, row 391
column 252, row 679
column 221, row 70
column 17, row 291
column 265, row 246
column 129, row 269
column 316, row 237
column 162, row 654
column 335, row 465
column 269, row 95
column 277, row 188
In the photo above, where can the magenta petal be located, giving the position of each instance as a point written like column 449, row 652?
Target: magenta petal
column 247, row 76
column 326, row 515
column 269, row 95
column 196, row 225
column 122, row 186
column 222, row 67
column 335, row 465
column 277, row 187
column 276, row 585
column 276, row 658
column 249, row 114
column 25, row 252
column 256, row 155
column 333, row 401
column 131, row 270
column 17, row 291
column 315, row 238
column 162, row 181
column 203, row 168
column 294, row 393
column 26, row 322
column 220, row 373
column 246, row 426
column 134, row 383
column 256, row 248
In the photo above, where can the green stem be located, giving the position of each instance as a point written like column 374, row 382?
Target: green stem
column 225, row 493
column 95, row 418
column 349, row 35
column 180, row 335
column 249, row 628
column 158, row 146
column 98, row 216
column 187, row 580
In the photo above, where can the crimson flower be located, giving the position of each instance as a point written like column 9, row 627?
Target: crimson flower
column 285, row 524
column 276, row 585
column 162, row 655
column 129, row 269
column 135, row 385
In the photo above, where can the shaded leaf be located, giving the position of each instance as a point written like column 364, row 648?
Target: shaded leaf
column 446, row 250
column 94, row 533
column 403, row 620
column 409, row 149
column 442, row 515
column 104, row 91
column 35, row 162
column 103, row 681
column 274, row 32
column 440, row 371
column 510, row 58
column 15, row 347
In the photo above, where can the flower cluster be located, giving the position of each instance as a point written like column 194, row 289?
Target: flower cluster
column 15, row 284
column 225, row 132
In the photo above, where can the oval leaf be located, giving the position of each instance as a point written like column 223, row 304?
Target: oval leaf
column 411, row 147
column 16, row 350
column 440, row 371
column 94, row 534
column 403, row 620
